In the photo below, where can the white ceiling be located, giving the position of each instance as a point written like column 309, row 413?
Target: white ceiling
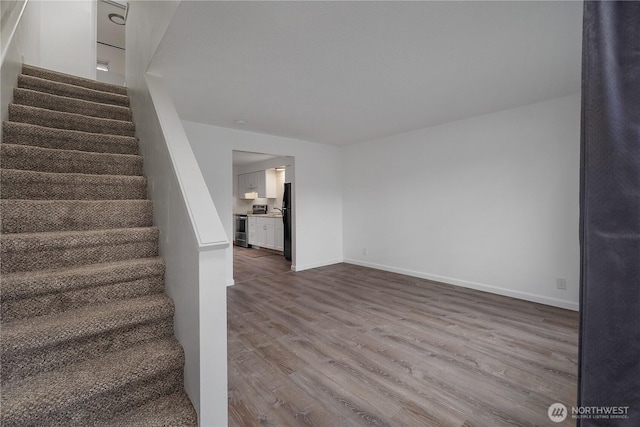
column 108, row 32
column 344, row 72
column 242, row 158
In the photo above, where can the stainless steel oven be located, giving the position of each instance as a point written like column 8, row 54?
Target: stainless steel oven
column 242, row 230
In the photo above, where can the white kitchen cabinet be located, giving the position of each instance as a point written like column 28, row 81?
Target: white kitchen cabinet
column 266, row 232
column 247, row 184
column 278, row 231
column 266, row 238
column 253, row 231
column 253, row 181
column 269, row 189
column 270, row 234
column 261, row 182
column 262, row 232
column 242, row 185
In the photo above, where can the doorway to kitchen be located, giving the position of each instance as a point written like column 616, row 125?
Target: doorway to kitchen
column 263, row 215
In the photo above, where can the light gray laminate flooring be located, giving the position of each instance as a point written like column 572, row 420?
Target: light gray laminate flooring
column 251, row 263
column 345, row 345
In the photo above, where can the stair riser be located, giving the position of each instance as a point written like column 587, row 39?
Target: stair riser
column 42, row 160
column 26, row 216
column 89, row 295
column 19, row 365
column 70, row 105
column 58, row 120
column 52, row 258
column 25, row 189
column 71, row 91
column 73, row 80
column 38, row 136
column 105, row 405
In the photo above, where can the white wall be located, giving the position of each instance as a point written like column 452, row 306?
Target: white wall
column 116, row 58
column 12, row 34
column 317, row 188
column 10, row 13
column 489, row 202
column 58, row 35
column 279, row 190
column 66, row 37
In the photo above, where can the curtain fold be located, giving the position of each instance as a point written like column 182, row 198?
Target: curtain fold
column 609, row 360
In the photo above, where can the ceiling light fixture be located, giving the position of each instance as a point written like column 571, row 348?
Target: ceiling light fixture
column 117, row 18
column 240, row 122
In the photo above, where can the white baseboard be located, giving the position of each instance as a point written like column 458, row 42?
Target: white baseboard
column 569, row 305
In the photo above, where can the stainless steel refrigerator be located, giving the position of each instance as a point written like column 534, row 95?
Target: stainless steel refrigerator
column 286, row 218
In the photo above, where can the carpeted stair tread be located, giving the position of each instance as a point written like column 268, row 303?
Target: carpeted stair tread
column 56, row 76
column 174, row 410
column 71, row 91
column 47, row 331
column 48, row 101
column 19, row 184
column 44, row 251
column 71, row 121
column 94, row 390
column 45, row 292
column 34, row 216
column 49, row 342
column 19, row 285
column 25, row 157
column 64, row 139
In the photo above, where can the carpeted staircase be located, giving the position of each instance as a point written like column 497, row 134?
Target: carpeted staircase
column 87, row 331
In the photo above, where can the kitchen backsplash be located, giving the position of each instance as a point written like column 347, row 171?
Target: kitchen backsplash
column 242, row 206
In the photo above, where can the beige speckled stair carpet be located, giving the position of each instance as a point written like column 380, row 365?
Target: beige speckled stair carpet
column 87, row 330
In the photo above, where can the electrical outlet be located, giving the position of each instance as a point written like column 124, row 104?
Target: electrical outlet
column 561, row 283
column 365, row 251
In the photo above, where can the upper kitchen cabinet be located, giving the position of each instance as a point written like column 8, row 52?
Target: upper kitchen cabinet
column 246, row 185
column 257, row 184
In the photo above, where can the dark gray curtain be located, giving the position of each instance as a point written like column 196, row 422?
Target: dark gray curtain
column 609, row 365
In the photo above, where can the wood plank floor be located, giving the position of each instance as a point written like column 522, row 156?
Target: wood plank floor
column 251, row 263
column 344, row 345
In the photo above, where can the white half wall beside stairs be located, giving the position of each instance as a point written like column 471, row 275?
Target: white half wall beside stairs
column 192, row 238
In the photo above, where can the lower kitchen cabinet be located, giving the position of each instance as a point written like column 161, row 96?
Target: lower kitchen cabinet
column 279, row 235
column 266, row 232
column 252, row 239
column 263, row 232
